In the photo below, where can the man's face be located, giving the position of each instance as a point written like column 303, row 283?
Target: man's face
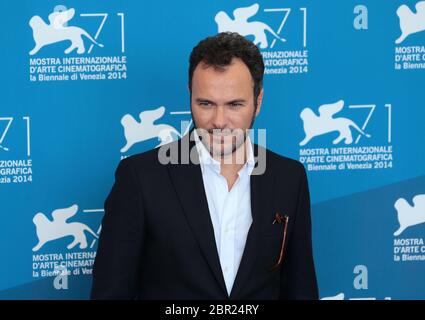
column 222, row 104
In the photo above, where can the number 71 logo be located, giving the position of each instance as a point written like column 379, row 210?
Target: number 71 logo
column 3, row 134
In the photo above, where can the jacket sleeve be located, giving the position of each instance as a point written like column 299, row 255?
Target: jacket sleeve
column 117, row 263
column 298, row 276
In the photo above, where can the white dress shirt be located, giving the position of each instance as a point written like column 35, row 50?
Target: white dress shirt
column 230, row 210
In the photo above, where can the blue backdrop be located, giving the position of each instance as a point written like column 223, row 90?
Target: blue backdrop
column 343, row 94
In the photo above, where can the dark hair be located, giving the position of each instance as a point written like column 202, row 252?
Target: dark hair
column 219, row 50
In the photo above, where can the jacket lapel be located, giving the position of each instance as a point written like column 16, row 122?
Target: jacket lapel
column 262, row 196
column 188, row 183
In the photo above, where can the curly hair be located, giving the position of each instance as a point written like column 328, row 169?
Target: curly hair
column 219, row 50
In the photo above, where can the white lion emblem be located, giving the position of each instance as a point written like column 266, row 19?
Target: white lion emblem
column 58, row 228
column 135, row 131
column 241, row 25
column 324, row 123
column 408, row 215
column 56, row 31
column 411, row 22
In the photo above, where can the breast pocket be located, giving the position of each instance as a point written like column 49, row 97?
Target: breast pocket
column 272, row 230
column 270, row 242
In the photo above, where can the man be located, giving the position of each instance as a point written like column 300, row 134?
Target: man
column 232, row 222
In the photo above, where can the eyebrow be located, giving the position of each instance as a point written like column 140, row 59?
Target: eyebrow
column 228, row 102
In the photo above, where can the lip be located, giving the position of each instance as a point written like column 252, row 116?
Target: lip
column 220, row 138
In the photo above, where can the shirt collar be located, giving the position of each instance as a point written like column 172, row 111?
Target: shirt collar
column 206, row 159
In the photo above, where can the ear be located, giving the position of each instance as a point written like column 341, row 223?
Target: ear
column 259, row 102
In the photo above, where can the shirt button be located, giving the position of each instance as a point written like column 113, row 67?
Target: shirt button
column 226, row 269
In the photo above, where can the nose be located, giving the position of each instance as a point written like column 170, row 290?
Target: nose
column 219, row 120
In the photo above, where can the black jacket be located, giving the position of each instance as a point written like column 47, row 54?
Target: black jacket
column 157, row 239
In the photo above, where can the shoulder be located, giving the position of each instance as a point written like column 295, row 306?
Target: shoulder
column 147, row 162
column 280, row 165
column 148, row 158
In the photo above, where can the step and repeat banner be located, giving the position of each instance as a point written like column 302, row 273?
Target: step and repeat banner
column 85, row 84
